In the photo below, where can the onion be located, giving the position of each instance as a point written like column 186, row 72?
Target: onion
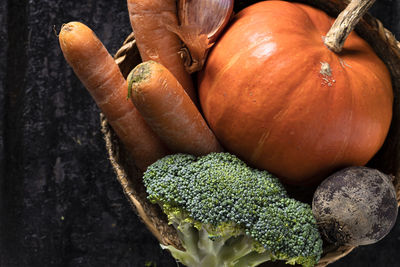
column 201, row 22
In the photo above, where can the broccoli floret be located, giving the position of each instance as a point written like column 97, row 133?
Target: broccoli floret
column 230, row 215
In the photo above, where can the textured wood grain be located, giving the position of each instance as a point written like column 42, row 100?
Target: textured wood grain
column 61, row 204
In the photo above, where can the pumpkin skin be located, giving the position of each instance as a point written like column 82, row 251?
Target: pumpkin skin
column 278, row 98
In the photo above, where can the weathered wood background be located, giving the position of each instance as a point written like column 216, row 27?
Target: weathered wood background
column 60, row 204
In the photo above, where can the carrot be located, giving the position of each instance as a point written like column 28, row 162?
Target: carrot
column 101, row 76
column 169, row 111
column 155, row 42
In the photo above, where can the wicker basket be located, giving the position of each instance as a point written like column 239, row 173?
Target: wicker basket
column 387, row 160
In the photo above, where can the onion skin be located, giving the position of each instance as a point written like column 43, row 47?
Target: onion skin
column 201, row 22
column 277, row 97
column 208, row 16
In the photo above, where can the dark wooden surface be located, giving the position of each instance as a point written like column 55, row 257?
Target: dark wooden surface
column 60, row 204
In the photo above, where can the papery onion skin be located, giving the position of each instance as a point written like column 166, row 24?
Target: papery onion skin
column 209, row 16
column 201, row 22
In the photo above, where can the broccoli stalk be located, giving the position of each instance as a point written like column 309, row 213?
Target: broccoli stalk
column 230, row 215
column 201, row 251
column 208, row 246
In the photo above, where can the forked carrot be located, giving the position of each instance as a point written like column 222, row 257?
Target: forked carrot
column 101, row 76
column 155, row 42
column 169, row 111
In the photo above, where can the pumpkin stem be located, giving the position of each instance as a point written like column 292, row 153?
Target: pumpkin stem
column 345, row 23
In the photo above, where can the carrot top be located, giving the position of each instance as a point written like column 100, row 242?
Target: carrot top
column 142, row 72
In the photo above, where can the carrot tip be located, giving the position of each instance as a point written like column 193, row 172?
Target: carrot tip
column 67, row 27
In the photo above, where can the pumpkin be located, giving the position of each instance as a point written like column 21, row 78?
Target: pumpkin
column 278, row 98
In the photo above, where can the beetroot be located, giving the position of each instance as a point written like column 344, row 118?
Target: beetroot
column 355, row 206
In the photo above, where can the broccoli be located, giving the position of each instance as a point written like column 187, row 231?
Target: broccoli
column 230, row 215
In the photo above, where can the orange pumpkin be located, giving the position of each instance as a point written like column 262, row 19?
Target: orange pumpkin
column 277, row 97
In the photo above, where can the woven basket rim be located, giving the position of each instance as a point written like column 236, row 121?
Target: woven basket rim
column 163, row 232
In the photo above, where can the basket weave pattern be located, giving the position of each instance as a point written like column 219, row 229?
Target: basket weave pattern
column 387, row 160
